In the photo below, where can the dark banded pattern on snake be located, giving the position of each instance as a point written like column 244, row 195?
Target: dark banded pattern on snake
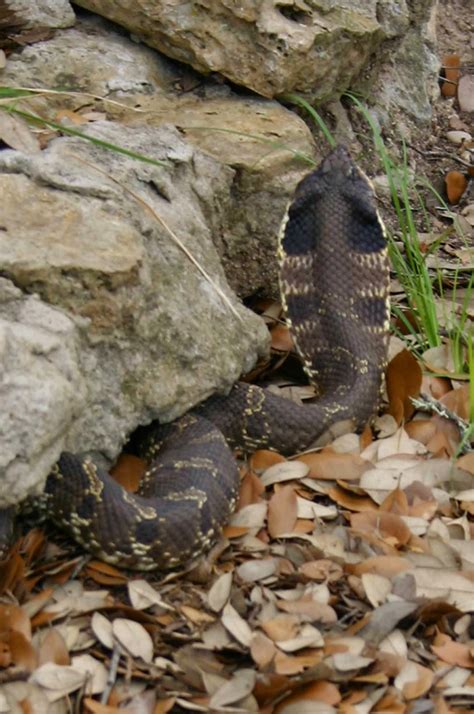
column 334, row 280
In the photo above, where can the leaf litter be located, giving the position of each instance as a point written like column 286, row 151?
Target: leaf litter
column 344, row 582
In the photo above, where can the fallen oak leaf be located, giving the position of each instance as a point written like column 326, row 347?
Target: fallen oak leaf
column 329, row 464
column 282, row 511
column 403, row 377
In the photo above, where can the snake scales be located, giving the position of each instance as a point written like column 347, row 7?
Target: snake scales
column 334, row 280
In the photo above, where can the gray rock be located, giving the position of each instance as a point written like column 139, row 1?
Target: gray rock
column 318, row 49
column 40, row 14
column 271, row 47
column 257, row 138
column 41, row 390
column 91, row 232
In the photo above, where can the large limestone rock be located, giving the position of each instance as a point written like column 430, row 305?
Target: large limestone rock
column 268, row 147
column 316, row 48
column 41, row 389
column 93, row 234
column 18, row 15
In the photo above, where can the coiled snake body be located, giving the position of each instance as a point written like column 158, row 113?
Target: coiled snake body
column 334, row 281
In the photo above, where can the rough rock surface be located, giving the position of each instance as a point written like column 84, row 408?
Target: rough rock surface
column 38, row 14
column 153, row 336
column 257, row 138
column 275, row 46
column 41, row 389
column 404, row 77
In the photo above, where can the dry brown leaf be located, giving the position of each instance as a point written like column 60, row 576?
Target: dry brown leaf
column 251, row 489
column 94, row 671
column 134, row 638
column 281, row 339
column 414, row 680
column 328, row 464
column 91, row 706
column 53, row 648
column 102, row 629
column 105, row 574
column 262, row 459
column 466, row 462
column 128, row 471
column 456, row 184
column 219, row 593
column 466, row 93
column 457, row 400
column 22, row 652
column 445, row 584
column 351, row 501
column 403, row 382
column 253, row 570
column 455, row 653
column 322, row 691
column 294, row 664
column 387, row 565
column 421, row 430
column 13, row 617
column 282, row 511
column 376, row 587
column 321, row 570
column 284, row 471
column 452, row 73
column 312, row 609
column 15, row 133
column 236, row 625
column 281, row 627
column 262, row 650
column 389, row 526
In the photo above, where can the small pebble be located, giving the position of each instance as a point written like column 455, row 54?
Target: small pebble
column 457, row 136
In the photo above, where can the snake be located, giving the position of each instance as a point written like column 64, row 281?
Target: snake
column 334, row 285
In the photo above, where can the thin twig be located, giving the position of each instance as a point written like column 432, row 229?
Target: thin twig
column 440, row 155
column 112, row 674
